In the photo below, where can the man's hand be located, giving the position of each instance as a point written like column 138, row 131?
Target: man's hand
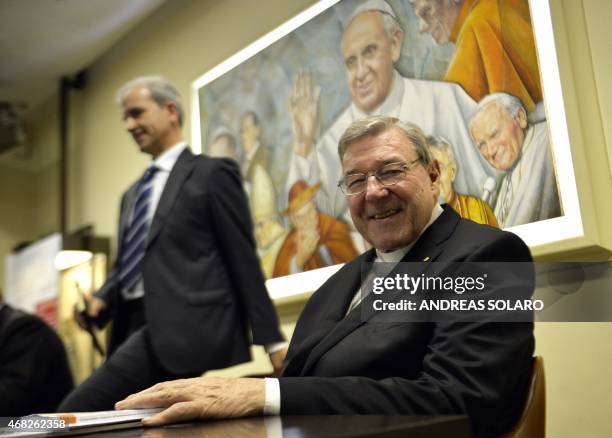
column 303, row 108
column 199, row 398
column 277, row 359
column 94, row 306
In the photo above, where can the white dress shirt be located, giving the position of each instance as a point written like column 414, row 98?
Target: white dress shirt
column 164, row 163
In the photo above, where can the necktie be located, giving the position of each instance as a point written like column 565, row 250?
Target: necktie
column 133, row 244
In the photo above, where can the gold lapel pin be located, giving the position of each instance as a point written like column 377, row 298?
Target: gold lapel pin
column 426, row 259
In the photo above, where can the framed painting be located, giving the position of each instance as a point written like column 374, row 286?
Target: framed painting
column 480, row 78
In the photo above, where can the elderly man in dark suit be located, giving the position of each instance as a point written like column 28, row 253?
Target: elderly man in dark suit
column 187, row 293
column 341, row 360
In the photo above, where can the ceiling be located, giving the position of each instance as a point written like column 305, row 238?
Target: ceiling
column 43, row 40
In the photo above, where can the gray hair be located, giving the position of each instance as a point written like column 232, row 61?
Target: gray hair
column 511, row 104
column 162, row 92
column 374, row 125
column 442, row 144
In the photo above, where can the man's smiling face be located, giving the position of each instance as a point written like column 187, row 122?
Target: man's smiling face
column 391, row 217
column 152, row 126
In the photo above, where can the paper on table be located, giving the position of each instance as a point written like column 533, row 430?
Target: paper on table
column 85, row 419
column 78, row 422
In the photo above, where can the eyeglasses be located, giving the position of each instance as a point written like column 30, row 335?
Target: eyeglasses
column 390, row 174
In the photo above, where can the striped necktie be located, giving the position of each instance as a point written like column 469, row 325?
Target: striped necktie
column 134, row 237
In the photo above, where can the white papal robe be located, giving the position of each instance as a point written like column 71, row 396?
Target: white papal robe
column 528, row 192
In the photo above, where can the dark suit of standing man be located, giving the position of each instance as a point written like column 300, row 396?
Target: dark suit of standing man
column 191, row 297
column 343, row 361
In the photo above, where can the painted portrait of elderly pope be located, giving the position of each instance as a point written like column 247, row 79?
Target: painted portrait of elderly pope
column 465, row 71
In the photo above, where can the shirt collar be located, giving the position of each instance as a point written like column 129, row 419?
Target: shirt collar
column 392, row 103
column 396, row 255
column 167, row 159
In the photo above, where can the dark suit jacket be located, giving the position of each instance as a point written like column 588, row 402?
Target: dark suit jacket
column 447, row 367
column 34, row 371
column 204, row 288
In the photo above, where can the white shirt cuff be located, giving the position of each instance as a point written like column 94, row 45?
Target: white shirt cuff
column 272, row 399
column 274, row 347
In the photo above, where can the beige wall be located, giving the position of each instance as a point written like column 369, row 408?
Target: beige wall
column 28, row 207
column 186, row 38
column 29, row 186
column 16, row 207
column 577, row 356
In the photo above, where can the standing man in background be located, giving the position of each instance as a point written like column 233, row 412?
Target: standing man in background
column 187, row 286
